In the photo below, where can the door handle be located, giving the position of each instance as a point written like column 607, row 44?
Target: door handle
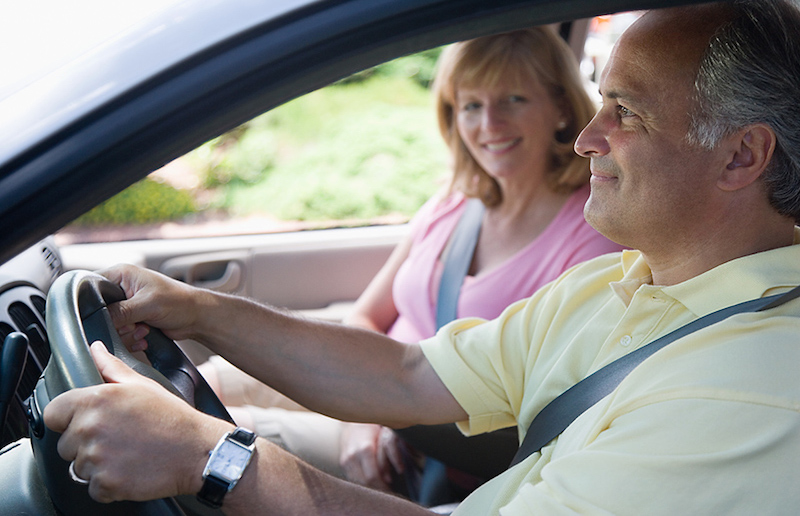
column 225, row 275
column 228, row 281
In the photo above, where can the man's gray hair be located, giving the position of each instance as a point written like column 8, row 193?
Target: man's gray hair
column 750, row 74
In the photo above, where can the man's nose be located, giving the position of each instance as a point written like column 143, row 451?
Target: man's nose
column 592, row 140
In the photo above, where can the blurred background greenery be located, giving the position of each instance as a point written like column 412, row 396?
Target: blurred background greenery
column 363, row 148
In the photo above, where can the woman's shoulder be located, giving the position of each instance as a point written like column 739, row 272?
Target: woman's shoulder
column 440, row 208
column 444, row 202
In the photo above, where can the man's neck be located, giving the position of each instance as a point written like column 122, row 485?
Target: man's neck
column 703, row 254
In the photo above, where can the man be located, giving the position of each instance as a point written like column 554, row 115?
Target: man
column 692, row 166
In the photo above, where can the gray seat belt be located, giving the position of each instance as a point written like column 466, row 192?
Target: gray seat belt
column 457, row 260
column 563, row 410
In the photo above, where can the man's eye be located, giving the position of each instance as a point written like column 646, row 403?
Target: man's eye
column 625, row 112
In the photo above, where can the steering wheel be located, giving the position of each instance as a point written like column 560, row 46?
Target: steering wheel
column 77, row 315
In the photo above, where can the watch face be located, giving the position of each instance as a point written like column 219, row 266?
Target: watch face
column 229, row 461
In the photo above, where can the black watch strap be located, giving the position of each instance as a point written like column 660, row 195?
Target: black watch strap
column 243, row 435
column 213, row 492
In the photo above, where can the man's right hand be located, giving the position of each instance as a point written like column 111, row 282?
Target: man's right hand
column 153, row 300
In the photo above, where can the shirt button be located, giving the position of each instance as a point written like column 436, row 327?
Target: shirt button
column 625, row 341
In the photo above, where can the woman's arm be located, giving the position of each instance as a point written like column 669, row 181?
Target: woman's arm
column 375, row 309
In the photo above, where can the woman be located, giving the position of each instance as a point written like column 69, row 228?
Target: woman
column 509, row 107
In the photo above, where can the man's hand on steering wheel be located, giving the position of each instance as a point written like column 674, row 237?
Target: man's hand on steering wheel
column 101, row 432
column 153, row 300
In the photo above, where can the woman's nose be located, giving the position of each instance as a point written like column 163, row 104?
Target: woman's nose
column 493, row 117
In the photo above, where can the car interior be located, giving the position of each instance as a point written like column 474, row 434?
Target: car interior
column 319, row 273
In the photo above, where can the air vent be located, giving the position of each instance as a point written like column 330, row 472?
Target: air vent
column 29, row 323
column 23, row 309
column 32, row 371
column 53, row 262
column 39, row 303
column 5, row 330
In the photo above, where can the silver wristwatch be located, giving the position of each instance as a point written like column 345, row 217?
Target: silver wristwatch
column 226, row 465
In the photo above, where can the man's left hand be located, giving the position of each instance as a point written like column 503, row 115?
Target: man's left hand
column 130, row 438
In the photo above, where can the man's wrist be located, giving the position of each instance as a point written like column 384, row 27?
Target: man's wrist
column 218, row 318
column 226, row 465
column 206, row 434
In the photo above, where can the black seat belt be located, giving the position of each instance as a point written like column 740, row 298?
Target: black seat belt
column 563, row 410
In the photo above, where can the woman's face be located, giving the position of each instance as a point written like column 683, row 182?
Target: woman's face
column 509, row 127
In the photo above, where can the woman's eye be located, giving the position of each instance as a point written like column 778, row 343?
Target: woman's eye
column 516, row 98
column 470, row 106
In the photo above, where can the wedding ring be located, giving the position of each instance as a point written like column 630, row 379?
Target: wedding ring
column 75, row 477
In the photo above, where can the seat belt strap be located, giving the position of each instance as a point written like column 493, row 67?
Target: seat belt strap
column 563, row 410
column 457, row 260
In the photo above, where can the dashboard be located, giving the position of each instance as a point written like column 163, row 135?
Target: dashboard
column 24, row 283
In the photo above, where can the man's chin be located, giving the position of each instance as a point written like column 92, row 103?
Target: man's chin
column 602, row 220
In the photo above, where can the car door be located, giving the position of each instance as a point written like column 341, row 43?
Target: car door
column 320, row 271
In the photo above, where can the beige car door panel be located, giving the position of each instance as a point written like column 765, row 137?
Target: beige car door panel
column 308, row 270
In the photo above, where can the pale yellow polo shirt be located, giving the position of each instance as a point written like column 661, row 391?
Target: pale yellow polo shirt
column 708, row 425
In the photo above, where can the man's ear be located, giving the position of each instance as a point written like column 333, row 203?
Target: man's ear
column 752, row 151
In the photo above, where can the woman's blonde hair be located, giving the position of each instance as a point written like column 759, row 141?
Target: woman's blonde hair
column 534, row 54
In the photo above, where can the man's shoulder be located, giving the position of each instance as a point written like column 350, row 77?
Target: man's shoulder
column 748, row 358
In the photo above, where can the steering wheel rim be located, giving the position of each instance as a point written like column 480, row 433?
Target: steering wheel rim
column 77, row 315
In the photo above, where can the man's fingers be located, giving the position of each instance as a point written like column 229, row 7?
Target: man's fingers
column 123, row 317
column 59, row 416
column 58, row 413
column 125, row 313
column 132, row 335
column 112, row 369
column 119, row 274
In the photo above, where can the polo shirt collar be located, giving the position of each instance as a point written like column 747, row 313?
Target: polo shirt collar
column 635, row 273
column 736, row 281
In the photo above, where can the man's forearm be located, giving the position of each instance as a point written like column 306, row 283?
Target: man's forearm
column 344, row 372
column 279, row 483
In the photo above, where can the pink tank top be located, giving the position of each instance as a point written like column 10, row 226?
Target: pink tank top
column 567, row 241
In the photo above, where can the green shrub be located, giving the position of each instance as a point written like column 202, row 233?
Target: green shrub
column 361, row 148
column 141, row 203
column 420, row 68
column 243, row 155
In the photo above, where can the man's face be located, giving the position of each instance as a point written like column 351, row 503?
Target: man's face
column 650, row 189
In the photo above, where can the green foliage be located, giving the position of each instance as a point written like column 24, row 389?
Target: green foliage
column 141, row 203
column 353, row 150
column 420, row 68
column 361, row 148
column 243, row 155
